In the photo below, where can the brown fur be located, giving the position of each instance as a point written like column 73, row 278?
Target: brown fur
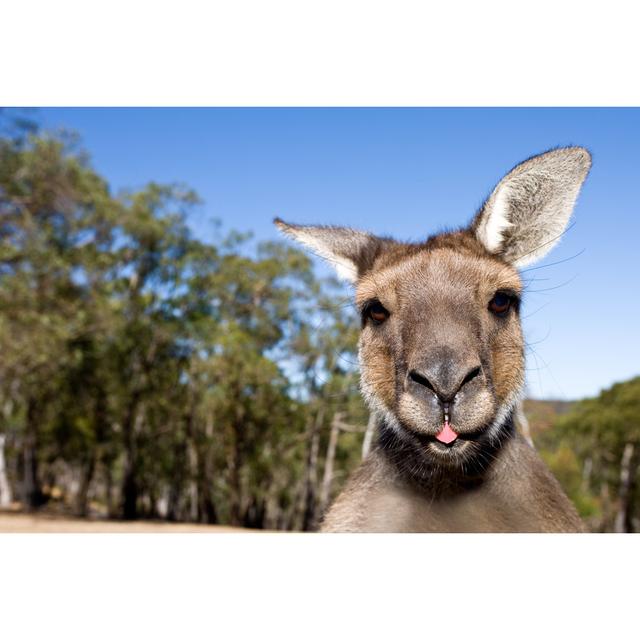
column 518, row 495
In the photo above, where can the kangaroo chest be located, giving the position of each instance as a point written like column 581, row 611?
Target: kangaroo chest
column 401, row 509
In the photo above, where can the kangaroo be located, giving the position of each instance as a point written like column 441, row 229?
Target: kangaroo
column 441, row 355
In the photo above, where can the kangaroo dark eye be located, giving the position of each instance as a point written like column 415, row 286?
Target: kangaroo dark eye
column 376, row 312
column 500, row 304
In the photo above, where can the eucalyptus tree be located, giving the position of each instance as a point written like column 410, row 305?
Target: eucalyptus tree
column 48, row 197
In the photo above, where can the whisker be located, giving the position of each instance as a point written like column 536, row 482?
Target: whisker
column 530, row 344
column 563, row 284
column 552, row 264
column 533, row 313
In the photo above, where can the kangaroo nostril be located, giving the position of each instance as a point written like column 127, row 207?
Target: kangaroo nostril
column 443, row 387
column 418, row 379
column 470, row 376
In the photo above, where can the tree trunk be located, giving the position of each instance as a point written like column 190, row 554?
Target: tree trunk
column 108, row 489
column 5, row 489
column 233, row 466
column 32, row 496
column 327, row 479
column 368, row 434
column 309, row 500
column 523, row 423
column 86, row 475
column 173, row 502
column 206, row 507
column 254, row 514
column 130, row 493
column 235, row 460
column 130, row 485
column 587, row 470
column 623, row 522
column 192, row 459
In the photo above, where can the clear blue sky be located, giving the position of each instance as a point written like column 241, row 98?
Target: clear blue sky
column 407, row 173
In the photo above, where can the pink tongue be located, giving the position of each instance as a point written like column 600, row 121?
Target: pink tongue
column 447, row 435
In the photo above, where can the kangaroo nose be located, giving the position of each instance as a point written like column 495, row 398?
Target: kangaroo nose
column 441, row 381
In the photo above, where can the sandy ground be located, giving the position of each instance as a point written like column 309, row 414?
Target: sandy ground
column 27, row 523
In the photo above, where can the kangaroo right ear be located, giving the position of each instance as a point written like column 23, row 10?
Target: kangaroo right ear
column 350, row 252
column 530, row 208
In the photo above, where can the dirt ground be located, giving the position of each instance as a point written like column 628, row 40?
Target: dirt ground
column 11, row 522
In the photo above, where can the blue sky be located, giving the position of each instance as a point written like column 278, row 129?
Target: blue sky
column 408, row 173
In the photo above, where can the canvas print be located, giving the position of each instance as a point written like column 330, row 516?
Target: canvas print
column 335, row 320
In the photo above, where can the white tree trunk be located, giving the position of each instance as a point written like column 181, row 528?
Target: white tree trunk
column 368, row 435
column 327, row 479
column 587, row 470
column 522, row 423
column 192, row 455
column 5, row 489
column 626, row 477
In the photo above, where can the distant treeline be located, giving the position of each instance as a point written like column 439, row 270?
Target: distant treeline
column 594, row 451
column 148, row 373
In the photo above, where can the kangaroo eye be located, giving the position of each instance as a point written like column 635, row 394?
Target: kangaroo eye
column 376, row 312
column 500, row 304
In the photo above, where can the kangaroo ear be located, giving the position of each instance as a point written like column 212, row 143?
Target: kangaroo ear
column 350, row 252
column 527, row 212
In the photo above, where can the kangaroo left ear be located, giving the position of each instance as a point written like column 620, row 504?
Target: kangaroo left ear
column 530, row 208
column 350, row 252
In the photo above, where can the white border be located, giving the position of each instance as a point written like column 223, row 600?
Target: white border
column 286, row 52
column 334, row 52
column 318, row 586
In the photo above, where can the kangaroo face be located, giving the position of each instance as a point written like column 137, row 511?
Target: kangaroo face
column 441, row 349
column 441, row 342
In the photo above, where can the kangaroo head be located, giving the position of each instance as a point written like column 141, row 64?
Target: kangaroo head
column 441, row 349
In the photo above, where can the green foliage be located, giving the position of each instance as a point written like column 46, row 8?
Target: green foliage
column 566, row 467
column 585, row 449
column 148, row 373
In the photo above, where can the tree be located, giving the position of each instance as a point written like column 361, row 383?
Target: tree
column 594, row 451
column 47, row 197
